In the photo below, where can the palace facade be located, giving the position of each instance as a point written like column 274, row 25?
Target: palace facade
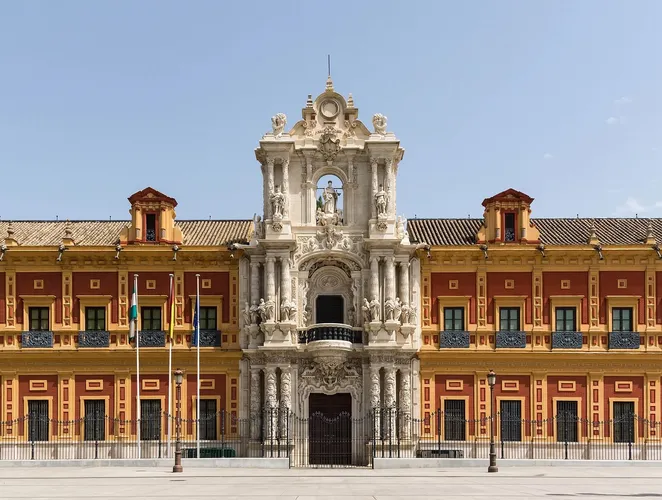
column 332, row 304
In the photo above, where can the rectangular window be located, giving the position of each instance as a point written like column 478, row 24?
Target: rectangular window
column 150, row 419
column 208, row 414
column 621, row 319
column 509, row 229
column 150, row 227
column 39, row 319
column 567, row 420
column 151, row 318
column 453, row 318
column 95, row 420
column 208, row 318
column 38, row 420
column 624, row 422
column 510, row 417
column 509, row 319
column 565, row 319
column 455, row 423
column 95, row 318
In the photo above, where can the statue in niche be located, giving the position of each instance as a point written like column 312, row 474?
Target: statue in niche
column 246, row 314
column 374, row 309
column 397, row 309
column 330, row 199
column 285, row 310
column 307, row 316
column 389, row 309
column 380, row 200
column 366, row 310
column 255, row 312
column 406, row 313
column 270, row 309
column 379, row 122
column 278, row 124
column 277, row 202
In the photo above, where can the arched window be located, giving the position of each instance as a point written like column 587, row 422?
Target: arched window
column 329, row 205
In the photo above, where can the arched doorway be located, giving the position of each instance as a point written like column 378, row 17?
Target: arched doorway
column 330, row 309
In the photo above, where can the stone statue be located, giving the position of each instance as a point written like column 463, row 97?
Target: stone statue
column 400, row 227
column 277, row 202
column 284, row 310
column 330, row 199
column 412, row 315
column 374, row 309
column 397, row 309
column 406, row 313
column 366, row 310
column 278, row 124
column 262, row 310
column 269, row 309
column 380, row 200
column 255, row 313
column 351, row 316
column 379, row 122
column 247, row 314
column 307, row 316
column 389, row 309
column 292, row 312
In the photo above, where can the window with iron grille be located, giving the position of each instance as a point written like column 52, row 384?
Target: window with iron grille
column 509, row 230
column 151, row 318
column 567, row 420
column 207, row 318
column 510, row 420
column 455, row 423
column 95, row 420
column 509, row 319
column 150, row 229
column 624, row 422
column 565, row 319
column 453, row 318
column 621, row 319
column 208, row 414
column 95, row 318
column 38, row 420
column 39, row 319
column 150, row 419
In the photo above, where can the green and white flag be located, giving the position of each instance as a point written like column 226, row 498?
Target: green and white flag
column 133, row 314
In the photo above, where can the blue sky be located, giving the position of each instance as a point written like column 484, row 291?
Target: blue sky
column 559, row 99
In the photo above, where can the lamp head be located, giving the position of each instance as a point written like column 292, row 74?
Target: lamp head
column 179, row 376
column 491, row 378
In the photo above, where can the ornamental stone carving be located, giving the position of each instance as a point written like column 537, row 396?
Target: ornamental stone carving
column 267, row 309
column 255, row 313
column 379, row 122
column 331, row 375
column 329, row 145
column 278, row 123
column 246, row 314
column 277, row 203
column 375, row 310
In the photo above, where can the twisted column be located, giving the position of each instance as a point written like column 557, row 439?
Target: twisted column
column 405, row 402
column 285, row 400
column 271, row 402
column 255, row 402
column 390, row 399
column 375, row 396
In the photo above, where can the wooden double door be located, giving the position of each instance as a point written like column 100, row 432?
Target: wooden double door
column 330, row 429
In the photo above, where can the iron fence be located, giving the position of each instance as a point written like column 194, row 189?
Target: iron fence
column 339, row 441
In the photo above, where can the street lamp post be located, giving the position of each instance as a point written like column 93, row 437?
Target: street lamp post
column 179, row 375
column 491, row 381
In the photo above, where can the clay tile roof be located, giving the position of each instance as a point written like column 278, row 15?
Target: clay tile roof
column 106, row 233
column 571, row 231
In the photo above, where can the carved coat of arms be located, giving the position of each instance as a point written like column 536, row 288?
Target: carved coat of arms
column 329, row 145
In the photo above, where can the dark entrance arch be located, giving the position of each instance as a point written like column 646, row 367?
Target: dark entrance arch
column 329, row 309
column 330, row 429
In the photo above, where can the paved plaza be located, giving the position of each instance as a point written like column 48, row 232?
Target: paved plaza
column 99, row 483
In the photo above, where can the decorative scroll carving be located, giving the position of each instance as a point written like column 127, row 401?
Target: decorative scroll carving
column 624, row 340
column 37, row 339
column 510, row 340
column 94, row 339
column 454, row 339
column 331, row 375
column 566, row 340
column 329, row 145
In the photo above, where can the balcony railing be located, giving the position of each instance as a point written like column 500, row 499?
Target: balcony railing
column 152, row 338
column 37, row 339
column 454, row 339
column 566, row 340
column 208, row 338
column 510, row 340
column 330, row 331
column 624, row 340
column 93, row 339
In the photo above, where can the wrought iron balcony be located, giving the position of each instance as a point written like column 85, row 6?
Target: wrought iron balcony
column 152, row 338
column 37, row 339
column 454, row 339
column 624, row 340
column 94, row 339
column 208, row 338
column 330, row 331
column 510, row 340
column 566, row 340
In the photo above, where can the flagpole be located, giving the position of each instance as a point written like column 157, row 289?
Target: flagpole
column 137, row 334
column 197, row 338
column 172, row 318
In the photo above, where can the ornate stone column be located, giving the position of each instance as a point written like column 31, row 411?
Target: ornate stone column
column 286, row 188
column 375, row 397
column 390, row 186
column 271, row 402
column 270, row 278
column 270, row 185
column 255, row 282
column 255, row 408
column 285, row 280
column 405, row 402
column 390, row 278
column 374, row 281
column 390, row 400
column 375, row 186
column 404, row 282
column 285, row 400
